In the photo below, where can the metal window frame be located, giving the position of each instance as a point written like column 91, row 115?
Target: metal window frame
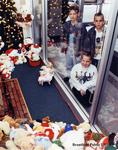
column 90, row 1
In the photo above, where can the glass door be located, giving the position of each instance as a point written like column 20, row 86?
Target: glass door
column 109, row 100
column 104, row 111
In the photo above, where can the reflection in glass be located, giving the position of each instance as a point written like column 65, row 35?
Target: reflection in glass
column 109, row 98
column 63, row 46
column 109, row 106
column 65, row 40
column 83, row 79
column 37, row 22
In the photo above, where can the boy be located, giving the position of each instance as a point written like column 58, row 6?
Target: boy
column 96, row 36
column 65, row 8
column 74, row 33
column 83, row 79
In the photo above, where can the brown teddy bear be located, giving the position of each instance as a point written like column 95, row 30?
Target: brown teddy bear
column 15, row 122
column 12, row 122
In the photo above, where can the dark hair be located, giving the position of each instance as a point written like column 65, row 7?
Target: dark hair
column 86, row 53
column 75, row 8
column 99, row 14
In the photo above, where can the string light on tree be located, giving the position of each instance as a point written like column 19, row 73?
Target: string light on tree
column 9, row 30
column 55, row 29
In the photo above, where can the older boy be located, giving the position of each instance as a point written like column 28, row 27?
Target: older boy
column 96, row 36
column 83, row 79
column 74, row 33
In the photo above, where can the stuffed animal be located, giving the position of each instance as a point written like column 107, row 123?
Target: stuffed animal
column 11, row 145
column 4, row 126
column 11, row 121
column 55, row 147
column 17, row 56
column 85, row 126
column 1, row 135
column 18, row 133
column 46, row 74
column 73, row 140
column 24, row 14
column 34, row 52
column 4, row 132
column 28, row 41
column 6, row 66
column 21, row 59
column 43, row 141
column 25, row 143
column 39, row 147
column 1, row 148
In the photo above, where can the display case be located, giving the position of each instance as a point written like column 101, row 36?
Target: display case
column 56, row 51
column 47, row 30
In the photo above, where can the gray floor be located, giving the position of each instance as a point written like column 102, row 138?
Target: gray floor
column 108, row 115
column 58, row 58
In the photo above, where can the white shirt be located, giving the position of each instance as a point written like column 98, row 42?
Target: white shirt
column 83, row 78
column 100, row 35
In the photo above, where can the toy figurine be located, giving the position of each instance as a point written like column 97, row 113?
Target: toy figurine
column 46, row 74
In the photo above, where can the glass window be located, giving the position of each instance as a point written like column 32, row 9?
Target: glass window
column 88, row 13
column 108, row 114
column 66, row 37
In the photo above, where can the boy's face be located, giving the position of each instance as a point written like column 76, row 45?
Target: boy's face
column 99, row 22
column 73, row 15
column 85, row 61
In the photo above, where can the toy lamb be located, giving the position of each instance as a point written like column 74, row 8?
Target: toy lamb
column 46, row 74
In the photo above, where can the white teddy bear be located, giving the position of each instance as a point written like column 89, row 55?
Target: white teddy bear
column 6, row 66
column 46, row 74
column 4, row 126
column 34, row 52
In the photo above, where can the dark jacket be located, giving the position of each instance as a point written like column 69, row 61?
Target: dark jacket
column 80, row 33
column 91, row 40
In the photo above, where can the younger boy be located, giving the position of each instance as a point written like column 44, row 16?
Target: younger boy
column 83, row 79
column 96, row 36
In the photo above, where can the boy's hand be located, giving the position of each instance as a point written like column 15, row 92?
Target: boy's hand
column 82, row 92
column 97, row 51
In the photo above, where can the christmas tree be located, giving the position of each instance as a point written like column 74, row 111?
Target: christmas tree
column 55, row 27
column 10, row 31
column 65, row 10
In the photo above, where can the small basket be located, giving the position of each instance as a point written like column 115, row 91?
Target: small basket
column 34, row 63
